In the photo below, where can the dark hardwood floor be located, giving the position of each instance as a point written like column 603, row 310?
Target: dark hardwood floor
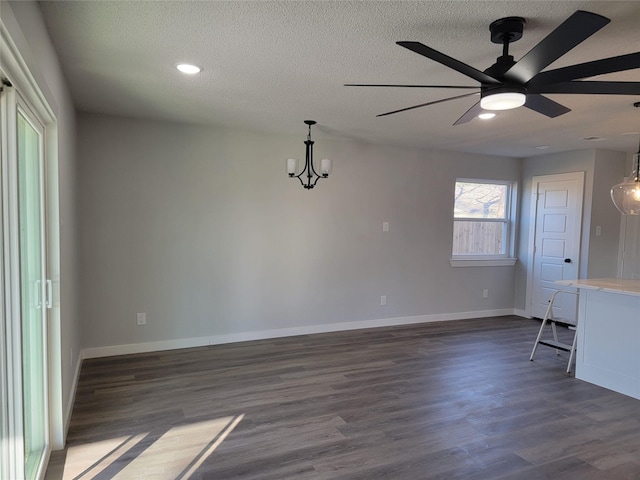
column 444, row 400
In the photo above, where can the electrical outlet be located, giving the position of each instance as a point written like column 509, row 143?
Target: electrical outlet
column 142, row 319
column 385, row 226
column 485, row 293
column 383, row 300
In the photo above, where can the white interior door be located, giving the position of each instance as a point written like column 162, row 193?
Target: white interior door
column 556, row 251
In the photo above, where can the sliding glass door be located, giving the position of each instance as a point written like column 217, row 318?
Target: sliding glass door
column 33, row 289
column 25, row 292
column 31, row 390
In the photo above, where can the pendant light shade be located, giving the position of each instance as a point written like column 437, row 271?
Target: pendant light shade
column 626, row 195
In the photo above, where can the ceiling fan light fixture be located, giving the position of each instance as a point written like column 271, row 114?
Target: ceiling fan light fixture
column 502, row 100
column 509, row 84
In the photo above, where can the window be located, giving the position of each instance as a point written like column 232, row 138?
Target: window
column 482, row 223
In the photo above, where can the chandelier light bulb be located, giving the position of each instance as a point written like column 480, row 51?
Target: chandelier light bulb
column 325, row 167
column 292, row 166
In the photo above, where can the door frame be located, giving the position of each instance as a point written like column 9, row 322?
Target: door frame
column 535, row 183
column 10, row 244
column 24, row 110
column 14, row 69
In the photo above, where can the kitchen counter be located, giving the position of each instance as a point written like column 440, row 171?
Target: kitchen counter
column 608, row 349
column 614, row 285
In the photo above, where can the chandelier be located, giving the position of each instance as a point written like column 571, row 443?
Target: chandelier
column 309, row 173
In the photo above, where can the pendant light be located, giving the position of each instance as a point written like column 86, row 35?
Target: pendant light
column 626, row 195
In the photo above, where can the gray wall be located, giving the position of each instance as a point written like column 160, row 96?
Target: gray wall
column 201, row 229
column 603, row 249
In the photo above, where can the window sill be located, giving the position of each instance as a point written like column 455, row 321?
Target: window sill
column 486, row 262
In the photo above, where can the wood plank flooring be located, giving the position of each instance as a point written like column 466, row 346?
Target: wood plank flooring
column 444, row 400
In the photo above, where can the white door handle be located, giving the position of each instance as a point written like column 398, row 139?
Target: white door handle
column 38, row 294
column 49, row 302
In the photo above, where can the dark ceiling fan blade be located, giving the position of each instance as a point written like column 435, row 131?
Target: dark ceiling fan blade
column 593, row 88
column 588, row 69
column 573, row 31
column 470, row 114
column 428, row 103
column 410, row 86
column 456, row 65
column 545, row 106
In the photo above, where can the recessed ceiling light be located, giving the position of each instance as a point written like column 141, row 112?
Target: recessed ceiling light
column 188, row 68
column 486, row 115
column 542, row 147
column 629, row 134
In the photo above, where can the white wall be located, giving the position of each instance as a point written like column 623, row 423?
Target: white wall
column 26, row 28
column 201, row 229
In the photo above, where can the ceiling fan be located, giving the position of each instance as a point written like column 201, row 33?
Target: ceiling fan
column 509, row 84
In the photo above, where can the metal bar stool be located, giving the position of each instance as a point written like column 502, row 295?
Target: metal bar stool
column 549, row 319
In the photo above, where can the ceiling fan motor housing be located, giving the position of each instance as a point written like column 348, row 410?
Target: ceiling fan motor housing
column 498, row 69
column 495, row 89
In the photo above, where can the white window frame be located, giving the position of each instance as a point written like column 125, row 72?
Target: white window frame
column 502, row 260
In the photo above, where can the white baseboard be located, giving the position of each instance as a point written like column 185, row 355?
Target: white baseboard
column 72, row 397
column 521, row 313
column 109, row 351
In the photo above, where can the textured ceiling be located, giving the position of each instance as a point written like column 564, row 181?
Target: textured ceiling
column 268, row 65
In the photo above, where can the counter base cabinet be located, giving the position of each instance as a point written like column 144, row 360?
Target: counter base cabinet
column 608, row 352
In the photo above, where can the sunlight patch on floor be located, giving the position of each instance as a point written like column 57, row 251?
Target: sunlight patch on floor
column 88, row 460
column 177, row 454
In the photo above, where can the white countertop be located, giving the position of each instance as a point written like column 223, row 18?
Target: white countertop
column 612, row 285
